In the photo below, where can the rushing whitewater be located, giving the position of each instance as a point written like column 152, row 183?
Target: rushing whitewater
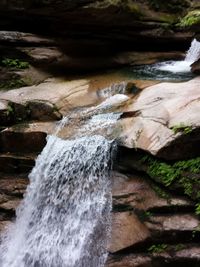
column 64, row 220
column 182, row 66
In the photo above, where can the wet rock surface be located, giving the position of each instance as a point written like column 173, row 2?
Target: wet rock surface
column 153, row 225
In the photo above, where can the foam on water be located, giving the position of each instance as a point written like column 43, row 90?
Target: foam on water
column 182, row 66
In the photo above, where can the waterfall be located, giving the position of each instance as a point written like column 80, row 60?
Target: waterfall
column 182, row 66
column 193, row 54
column 64, row 220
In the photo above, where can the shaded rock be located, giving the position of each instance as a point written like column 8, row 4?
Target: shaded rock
column 24, row 38
column 173, row 255
column 14, row 186
column 4, row 115
column 180, row 176
column 16, row 164
column 135, row 191
column 22, row 141
column 43, row 111
column 127, row 231
column 163, row 114
column 196, row 67
column 109, row 24
column 132, row 260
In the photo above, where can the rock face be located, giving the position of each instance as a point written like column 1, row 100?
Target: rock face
column 166, row 121
column 127, row 231
column 196, row 67
column 151, row 226
column 111, row 25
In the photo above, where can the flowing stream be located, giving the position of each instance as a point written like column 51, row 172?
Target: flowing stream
column 65, row 217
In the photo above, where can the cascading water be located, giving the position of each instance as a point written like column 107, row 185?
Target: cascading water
column 65, row 216
column 184, row 66
column 64, row 220
column 168, row 70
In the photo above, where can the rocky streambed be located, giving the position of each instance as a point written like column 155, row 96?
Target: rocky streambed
column 44, row 77
column 155, row 217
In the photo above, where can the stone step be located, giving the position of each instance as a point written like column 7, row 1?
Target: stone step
column 12, row 112
column 13, row 185
column 137, row 192
column 16, row 163
column 178, row 255
column 22, row 142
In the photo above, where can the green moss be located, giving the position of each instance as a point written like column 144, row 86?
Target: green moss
column 11, row 84
column 159, row 248
column 182, row 175
column 197, row 210
column 144, row 215
column 10, row 109
column 192, row 18
column 179, row 247
column 160, row 192
column 186, row 129
column 14, row 63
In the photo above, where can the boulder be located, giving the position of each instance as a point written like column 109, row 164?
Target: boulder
column 164, row 120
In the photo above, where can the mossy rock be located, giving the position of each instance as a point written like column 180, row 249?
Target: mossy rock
column 181, row 175
column 126, row 5
column 191, row 19
column 174, row 6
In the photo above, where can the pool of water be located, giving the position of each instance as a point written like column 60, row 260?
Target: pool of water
column 175, row 71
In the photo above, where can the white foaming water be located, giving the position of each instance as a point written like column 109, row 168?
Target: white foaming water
column 182, row 66
column 64, row 220
column 100, row 123
column 116, row 88
column 112, row 101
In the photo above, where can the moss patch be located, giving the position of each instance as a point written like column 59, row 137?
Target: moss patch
column 182, row 175
column 173, row 6
column 11, row 84
column 14, row 63
column 192, row 18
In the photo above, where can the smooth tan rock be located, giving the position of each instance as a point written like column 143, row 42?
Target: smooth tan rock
column 156, row 111
column 53, row 90
column 127, row 231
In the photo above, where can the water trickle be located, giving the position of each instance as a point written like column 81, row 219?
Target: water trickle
column 64, row 220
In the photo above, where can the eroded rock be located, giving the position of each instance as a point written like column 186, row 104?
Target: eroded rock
column 127, row 231
column 166, row 121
